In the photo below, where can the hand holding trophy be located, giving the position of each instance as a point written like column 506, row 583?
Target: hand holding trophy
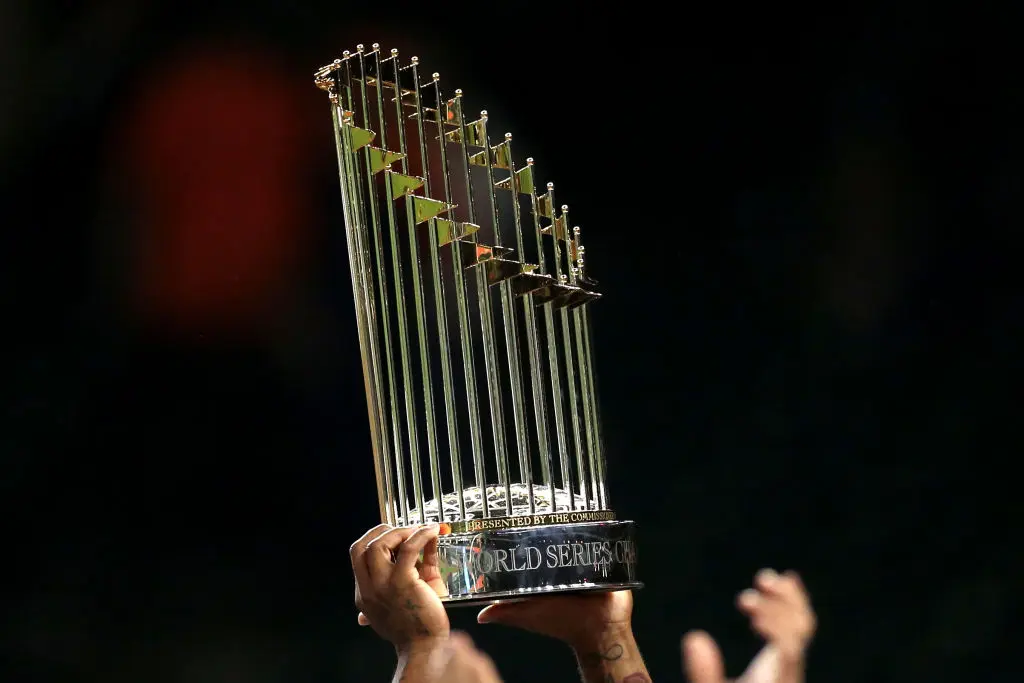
column 472, row 309
column 472, row 312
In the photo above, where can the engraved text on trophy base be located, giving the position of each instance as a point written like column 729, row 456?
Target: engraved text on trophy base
column 511, row 563
column 595, row 554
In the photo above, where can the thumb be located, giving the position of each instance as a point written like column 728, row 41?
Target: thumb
column 702, row 659
column 509, row 613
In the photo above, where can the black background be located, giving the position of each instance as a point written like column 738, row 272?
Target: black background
column 803, row 225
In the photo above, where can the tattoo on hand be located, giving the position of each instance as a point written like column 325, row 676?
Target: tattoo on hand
column 413, row 609
column 601, row 660
column 612, row 654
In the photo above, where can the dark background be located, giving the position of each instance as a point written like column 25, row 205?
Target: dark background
column 803, row 225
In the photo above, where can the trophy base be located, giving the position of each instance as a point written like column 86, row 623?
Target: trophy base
column 517, row 563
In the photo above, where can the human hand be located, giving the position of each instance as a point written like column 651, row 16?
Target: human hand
column 397, row 592
column 597, row 626
column 779, row 610
column 577, row 620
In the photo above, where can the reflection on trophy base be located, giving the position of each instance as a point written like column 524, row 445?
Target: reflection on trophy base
column 517, row 563
column 500, row 501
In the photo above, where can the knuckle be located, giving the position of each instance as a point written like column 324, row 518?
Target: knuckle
column 359, row 545
column 477, row 660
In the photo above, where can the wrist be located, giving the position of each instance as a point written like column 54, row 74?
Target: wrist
column 416, row 659
column 419, row 646
column 597, row 639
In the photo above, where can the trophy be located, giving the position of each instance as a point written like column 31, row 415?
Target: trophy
column 472, row 297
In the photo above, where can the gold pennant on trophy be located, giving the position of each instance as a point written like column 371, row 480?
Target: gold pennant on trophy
column 557, row 228
column 523, row 179
column 361, row 137
column 448, row 231
column 381, row 159
column 401, row 184
column 501, row 155
column 544, row 206
column 476, row 133
column 426, row 208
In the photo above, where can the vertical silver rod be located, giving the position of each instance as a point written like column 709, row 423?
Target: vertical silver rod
column 494, row 388
column 487, row 330
column 595, row 408
column 539, row 398
column 570, row 378
column 377, row 272
column 403, row 340
column 533, row 350
column 587, row 363
column 466, row 338
column 354, row 228
column 552, row 354
column 343, row 88
column 508, row 314
column 570, row 372
column 441, row 315
column 419, row 308
column 588, row 402
column 378, row 242
column 586, row 399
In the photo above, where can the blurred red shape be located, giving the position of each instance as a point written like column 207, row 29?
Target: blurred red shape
column 217, row 157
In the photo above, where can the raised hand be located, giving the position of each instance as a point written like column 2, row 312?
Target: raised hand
column 398, row 585
column 780, row 611
column 573, row 619
column 598, row 626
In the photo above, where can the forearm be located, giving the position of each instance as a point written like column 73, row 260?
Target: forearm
column 415, row 663
column 611, row 657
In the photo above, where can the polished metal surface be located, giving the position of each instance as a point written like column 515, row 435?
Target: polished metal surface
column 472, row 506
column 533, row 561
column 473, row 313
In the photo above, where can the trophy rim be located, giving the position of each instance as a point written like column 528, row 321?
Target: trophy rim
column 527, row 521
column 510, row 596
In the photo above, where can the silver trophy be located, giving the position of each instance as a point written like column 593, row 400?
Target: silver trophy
column 472, row 301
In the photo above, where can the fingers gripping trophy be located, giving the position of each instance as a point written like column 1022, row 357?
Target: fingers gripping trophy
column 472, row 308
